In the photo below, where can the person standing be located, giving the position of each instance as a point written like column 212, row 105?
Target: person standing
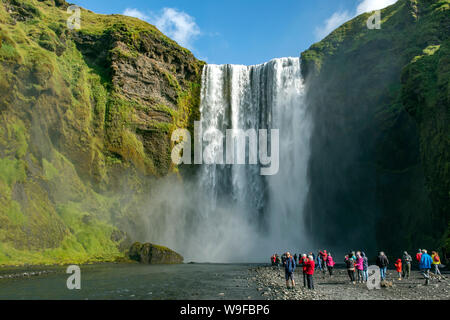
column 382, row 263
column 319, row 261
column 436, row 262
column 324, row 256
column 425, row 266
column 406, row 262
column 365, row 267
column 359, row 266
column 330, row 264
column 310, row 265
column 302, row 262
column 289, row 269
column 350, row 263
column 419, row 255
column 295, row 257
column 398, row 268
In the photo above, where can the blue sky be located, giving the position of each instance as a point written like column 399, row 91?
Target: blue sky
column 241, row 31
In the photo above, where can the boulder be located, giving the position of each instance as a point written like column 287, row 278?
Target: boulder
column 149, row 253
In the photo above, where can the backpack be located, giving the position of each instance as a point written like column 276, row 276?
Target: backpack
column 436, row 258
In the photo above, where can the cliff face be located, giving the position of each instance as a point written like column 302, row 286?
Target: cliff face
column 380, row 165
column 86, row 117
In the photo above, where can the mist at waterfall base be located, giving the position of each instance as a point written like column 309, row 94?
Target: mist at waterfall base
column 231, row 213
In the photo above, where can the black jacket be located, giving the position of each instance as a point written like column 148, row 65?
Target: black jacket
column 382, row 261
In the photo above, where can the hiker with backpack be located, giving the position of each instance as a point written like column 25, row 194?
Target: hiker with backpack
column 436, row 262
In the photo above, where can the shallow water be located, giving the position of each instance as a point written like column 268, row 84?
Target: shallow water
column 140, row 282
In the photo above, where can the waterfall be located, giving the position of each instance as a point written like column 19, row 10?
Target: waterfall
column 260, row 211
column 233, row 213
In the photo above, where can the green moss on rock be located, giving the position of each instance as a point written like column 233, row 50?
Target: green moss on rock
column 148, row 253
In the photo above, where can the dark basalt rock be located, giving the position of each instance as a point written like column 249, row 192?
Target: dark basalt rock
column 148, row 253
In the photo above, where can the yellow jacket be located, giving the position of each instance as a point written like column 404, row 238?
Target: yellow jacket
column 435, row 262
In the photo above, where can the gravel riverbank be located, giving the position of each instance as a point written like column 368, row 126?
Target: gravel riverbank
column 271, row 285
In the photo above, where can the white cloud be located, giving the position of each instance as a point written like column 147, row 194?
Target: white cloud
column 135, row 13
column 177, row 25
column 339, row 17
column 332, row 23
column 371, row 5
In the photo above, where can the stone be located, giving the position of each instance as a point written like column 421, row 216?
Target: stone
column 148, row 253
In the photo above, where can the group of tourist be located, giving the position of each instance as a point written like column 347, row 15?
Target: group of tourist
column 357, row 265
column 426, row 261
column 308, row 262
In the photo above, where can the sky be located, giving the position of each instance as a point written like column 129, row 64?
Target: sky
column 241, row 31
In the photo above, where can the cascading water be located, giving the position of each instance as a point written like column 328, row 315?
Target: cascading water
column 231, row 212
column 267, row 96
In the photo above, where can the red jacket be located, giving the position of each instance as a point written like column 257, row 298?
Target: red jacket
column 398, row 265
column 324, row 255
column 418, row 257
column 310, row 265
column 303, row 262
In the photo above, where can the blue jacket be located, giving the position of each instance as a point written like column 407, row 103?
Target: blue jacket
column 425, row 261
column 290, row 265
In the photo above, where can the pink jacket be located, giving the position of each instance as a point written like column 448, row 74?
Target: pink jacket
column 359, row 263
column 330, row 261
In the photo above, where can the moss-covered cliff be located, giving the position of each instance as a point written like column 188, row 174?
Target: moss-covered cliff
column 380, row 99
column 86, row 117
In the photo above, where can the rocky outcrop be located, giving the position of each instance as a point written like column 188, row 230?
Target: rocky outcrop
column 148, row 253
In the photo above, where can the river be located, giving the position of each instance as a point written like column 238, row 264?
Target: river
column 135, row 282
